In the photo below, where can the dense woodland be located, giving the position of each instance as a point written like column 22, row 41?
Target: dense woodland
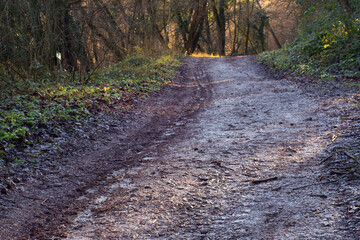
column 46, row 36
column 38, row 36
column 61, row 60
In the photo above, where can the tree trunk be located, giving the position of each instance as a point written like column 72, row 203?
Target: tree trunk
column 247, row 36
column 191, row 33
column 235, row 30
column 274, row 35
column 207, row 37
column 219, row 15
column 69, row 63
column 155, row 28
column 182, row 27
column 196, row 25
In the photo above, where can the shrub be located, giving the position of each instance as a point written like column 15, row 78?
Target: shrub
column 328, row 44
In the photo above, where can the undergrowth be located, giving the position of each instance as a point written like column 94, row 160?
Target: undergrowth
column 327, row 47
column 31, row 108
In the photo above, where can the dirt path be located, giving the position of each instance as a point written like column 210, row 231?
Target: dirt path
column 253, row 128
column 225, row 153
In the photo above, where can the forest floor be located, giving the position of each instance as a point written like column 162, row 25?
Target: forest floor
column 224, row 152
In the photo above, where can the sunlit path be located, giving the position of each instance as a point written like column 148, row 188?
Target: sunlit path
column 246, row 167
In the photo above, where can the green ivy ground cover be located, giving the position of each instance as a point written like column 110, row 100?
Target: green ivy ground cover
column 31, row 108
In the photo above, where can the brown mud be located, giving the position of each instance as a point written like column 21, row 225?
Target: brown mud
column 224, row 152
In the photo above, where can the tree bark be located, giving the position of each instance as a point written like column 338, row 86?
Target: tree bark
column 69, row 63
column 191, row 33
column 207, row 37
column 247, row 36
column 196, row 25
column 274, row 35
column 219, row 15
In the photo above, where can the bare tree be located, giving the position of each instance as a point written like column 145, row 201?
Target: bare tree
column 219, row 15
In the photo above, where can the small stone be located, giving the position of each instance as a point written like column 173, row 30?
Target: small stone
column 58, row 184
column 203, row 178
column 4, row 190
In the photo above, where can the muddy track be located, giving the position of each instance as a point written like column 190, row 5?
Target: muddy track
column 224, row 152
column 43, row 205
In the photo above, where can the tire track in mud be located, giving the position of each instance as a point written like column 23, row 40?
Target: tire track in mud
column 120, row 185
column 236, row 171
column 223, row 153
column 44, row 207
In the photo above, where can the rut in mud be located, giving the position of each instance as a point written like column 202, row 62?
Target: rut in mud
column 237, row 173
column 228, row 153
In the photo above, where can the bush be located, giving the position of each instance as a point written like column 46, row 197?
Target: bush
column 328, row 44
